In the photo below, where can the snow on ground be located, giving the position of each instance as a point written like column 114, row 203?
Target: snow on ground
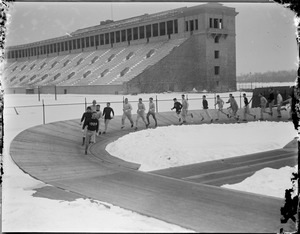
column 268, row 181
column 23, row 212
column 173, row 146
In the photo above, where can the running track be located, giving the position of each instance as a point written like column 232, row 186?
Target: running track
column 187, row 196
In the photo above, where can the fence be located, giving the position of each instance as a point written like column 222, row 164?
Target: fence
column 52, row 112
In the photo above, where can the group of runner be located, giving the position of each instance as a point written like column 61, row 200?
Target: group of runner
column 90, row 119
column 91, row 124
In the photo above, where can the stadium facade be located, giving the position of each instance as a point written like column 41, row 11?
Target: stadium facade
column 176, row 50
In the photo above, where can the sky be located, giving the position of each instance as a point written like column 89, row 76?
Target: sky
column 86, row 215
column 265, row 32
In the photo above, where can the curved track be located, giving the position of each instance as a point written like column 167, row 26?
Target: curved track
column 52, row 153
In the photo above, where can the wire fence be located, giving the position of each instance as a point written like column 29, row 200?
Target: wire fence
column 51, row 111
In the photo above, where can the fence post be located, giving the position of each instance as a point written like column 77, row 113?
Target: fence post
column 44, row 113
column 39, row 94
column 240, row 100
column 215, row 100
column 156, row 104
column 55, row 92
column 85, row 104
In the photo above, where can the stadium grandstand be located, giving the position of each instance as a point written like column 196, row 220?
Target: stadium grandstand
column 174, row 50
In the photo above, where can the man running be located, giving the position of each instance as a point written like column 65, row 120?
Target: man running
column 151, row 112
column 140, row 113
column 233, row 108
column 92, row 129
column 127, row 108
column 246, row 108
column 279, row 104
column 94, row 106
column 85, row 117
column 271, row 100
column 98, row 116
column 205, row 108
column 177, row 106
column 263, row 104
column 108, row 114
column 184, row 110
column 220, row 104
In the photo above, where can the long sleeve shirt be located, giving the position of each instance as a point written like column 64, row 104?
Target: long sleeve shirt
column 141, row 108
column 220, row 103
column 185, row 104
column 92, row 125
column 108, row 112
column 279, row 98
column 127, row 108
column 246, row 102
column 177, row 106
column 263, row 101
column 151, row 107
column 205, row 104
column 85, row 117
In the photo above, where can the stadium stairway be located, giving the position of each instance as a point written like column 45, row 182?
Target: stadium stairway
column 53, row 154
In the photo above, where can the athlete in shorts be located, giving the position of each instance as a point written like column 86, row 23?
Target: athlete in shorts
column 151, row 112
column 127, row 108
column 247, row 108
column 140, row 113
column 108, row 114
column 177, row 106
column 85, row 117
column 220, row 104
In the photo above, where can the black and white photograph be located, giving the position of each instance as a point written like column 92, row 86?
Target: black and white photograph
column 170, row 117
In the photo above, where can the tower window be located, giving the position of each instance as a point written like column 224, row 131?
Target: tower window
column 217, row 70
column 217, row 39
column 217, row 54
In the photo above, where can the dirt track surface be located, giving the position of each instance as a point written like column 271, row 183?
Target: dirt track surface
column 185, row 196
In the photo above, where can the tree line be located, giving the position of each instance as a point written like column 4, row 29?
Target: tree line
column 270, row 76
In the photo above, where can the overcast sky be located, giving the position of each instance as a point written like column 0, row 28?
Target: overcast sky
column 265, row 32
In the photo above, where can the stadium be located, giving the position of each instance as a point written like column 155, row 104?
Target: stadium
column 211, row 173
column 176, row 50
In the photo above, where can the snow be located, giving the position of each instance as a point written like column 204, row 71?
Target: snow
column 272, row 182
column 97, row 216
column 172, row 146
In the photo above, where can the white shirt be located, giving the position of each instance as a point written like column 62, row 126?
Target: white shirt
column 279, row 98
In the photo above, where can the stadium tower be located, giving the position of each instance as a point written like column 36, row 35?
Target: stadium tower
column 174, row 50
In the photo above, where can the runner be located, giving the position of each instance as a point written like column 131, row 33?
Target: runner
column 140, row 113
column 85, row 117
column 246, row 108
column 127, row 108
column 233, row 108
column 108, row 114
column 92, row 126
column 286, row 105
column 177, row 106
column 93, row 106
column 151, row 112
column 184, row 110
column 205, row 108
column 271, row 100
column 263, row 104
column 220, row 104
column 279, row 103
column 98, row 116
